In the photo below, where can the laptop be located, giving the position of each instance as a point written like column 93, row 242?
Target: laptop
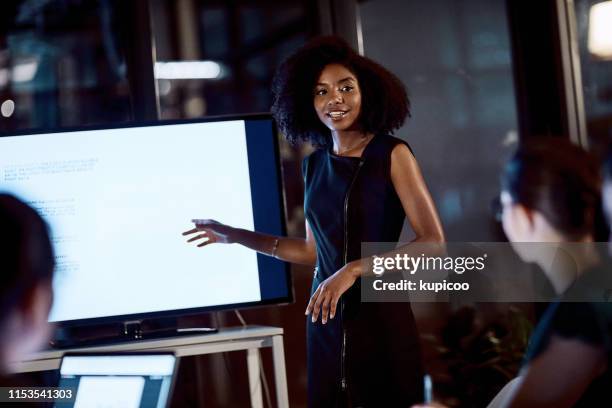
column 127, row 380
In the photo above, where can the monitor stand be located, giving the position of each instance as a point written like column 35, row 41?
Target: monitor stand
column 125, row 332
column 133, row 331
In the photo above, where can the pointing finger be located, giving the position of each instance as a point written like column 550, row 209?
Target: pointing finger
column 203, row 222
column 201, row 236
column 210, row 241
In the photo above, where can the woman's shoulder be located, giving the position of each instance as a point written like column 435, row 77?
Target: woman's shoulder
column 314, row 155
column 587, row 322
column 387, row 143
column 310, row 159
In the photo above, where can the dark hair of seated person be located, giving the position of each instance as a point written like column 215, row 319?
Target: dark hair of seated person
column 385, row 104
column 560, row 180
column 26, row 271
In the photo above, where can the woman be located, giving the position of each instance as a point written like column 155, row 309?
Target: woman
column 25, row 283
column 360, row 185
column 551, row 194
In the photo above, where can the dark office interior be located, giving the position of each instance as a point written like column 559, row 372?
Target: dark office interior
column 482, row 76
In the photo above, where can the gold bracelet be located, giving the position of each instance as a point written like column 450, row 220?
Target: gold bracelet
column 274, row 248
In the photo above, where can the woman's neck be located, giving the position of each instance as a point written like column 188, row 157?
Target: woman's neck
column 566, row 262
column 350, row 141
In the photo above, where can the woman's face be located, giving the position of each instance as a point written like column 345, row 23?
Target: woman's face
column 337, row 98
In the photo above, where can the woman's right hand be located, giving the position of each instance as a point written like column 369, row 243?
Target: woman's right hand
column 209, row 232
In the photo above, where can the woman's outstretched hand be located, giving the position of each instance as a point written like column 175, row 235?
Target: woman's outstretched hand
column 209, row 232
column 325, row 299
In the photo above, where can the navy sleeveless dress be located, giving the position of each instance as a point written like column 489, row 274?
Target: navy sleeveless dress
column 368, row 355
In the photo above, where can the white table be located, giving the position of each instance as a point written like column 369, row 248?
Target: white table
column 249, row 338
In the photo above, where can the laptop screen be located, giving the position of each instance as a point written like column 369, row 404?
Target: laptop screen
column 121, row 380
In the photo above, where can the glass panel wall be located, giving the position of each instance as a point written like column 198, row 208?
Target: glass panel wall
column 61, row 65
column 455, row 60
column 238, row 46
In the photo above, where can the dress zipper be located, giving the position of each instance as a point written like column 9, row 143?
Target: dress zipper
column 343, row 383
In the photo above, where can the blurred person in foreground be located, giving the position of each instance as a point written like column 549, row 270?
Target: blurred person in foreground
column 26, row 272
column 551, row 194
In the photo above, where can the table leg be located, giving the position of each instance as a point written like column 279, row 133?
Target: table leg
column 280, row 375
column 253, row 363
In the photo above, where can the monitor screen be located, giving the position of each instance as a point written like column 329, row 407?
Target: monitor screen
column 127, row 381
column 118, row 199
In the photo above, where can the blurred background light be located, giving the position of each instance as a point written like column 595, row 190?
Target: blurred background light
column 4, row 77
column 24, row 71
column 600, row 30
column 7, row 108
column 187, row 70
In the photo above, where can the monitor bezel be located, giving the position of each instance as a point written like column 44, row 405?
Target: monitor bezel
column 175, row 313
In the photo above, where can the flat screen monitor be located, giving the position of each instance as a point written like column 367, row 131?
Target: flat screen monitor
column 116, row 380
column 117, row 200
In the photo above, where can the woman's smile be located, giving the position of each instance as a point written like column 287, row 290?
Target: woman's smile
column 337, row 114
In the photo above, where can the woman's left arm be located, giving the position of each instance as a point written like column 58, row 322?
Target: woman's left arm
column 414, row 195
